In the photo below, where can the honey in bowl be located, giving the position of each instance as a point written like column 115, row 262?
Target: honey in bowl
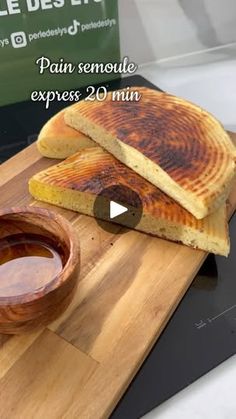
column 28, row 262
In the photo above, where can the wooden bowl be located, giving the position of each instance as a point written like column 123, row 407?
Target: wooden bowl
column 27, row 303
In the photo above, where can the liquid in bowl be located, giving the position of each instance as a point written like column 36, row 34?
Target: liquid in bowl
column 28, row 262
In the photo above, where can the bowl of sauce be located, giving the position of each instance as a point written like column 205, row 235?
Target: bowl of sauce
column 39, row 267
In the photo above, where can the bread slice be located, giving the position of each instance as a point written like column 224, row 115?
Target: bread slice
column 172, row 143
column 58, row 141
column 75, row 183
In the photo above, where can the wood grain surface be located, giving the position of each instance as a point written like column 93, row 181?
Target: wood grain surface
column 130, row 285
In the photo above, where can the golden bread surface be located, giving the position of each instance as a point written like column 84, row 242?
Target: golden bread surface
column 58, row 141
column 174, row 144
column 75, row 183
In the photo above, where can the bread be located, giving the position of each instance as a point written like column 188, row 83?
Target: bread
column 75, row 183
column 172, row 143
column 58, row 141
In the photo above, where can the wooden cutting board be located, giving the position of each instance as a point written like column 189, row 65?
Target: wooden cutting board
column 130, row 285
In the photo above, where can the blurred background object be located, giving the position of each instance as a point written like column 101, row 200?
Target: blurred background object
column 163, row 29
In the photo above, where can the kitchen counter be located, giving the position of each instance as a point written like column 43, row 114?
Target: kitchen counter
column 210, row 83
column 211, row 397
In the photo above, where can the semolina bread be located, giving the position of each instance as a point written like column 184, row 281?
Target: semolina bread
column 76, row 182
column 173, row 144
column 58, row 141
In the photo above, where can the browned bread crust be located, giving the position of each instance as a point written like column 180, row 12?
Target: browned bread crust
column 76, row 182
column 172, row 143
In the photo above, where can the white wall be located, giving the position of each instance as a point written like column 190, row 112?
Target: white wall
column 157, row 29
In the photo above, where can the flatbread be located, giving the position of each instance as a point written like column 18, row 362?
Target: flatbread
column 170, row 142
column 58, row 141
column 75, row 183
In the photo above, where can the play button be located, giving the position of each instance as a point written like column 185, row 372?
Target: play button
column 120, row 205
column 116, row 209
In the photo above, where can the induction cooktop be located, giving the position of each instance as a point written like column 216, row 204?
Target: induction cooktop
column 202, row 332
column 200, row 335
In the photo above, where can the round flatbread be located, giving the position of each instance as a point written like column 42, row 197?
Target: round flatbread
column 59, row 141
column 177, row 146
